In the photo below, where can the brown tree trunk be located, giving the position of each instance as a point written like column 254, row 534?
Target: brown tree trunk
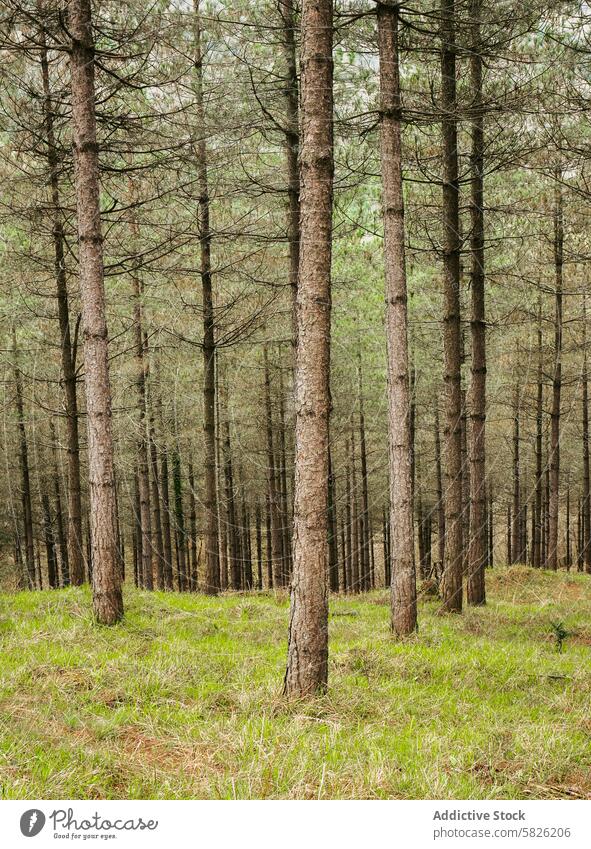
column 272, row 485
column 179, row 516
column 158, row 537
column 516, row 512
column 192, row 530
column 64, row 576
column 143, row 462
column 403, row 608
column 355, row 541
column 165, row 493
column 212, row 566
column 452, row 572
column 332, row 529
column 106, row 575
column 537, row 537
column 364, row 516
column 259, row 546
column 292, row 146
column 553, row 504
column 68, row 350
column 307, row 658
column 586, row 506
column 475, row 589
column 24, row 469
column 439, row 493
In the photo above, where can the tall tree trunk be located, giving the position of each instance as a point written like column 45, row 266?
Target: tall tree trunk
column 516, row 513
column 272, row 484
column 212, row 567
column 439, row 493
column 307, row 658
column 537, row 537
column 365, row 543
column 143, row 460
column 403, row 607
column 64, row 577
column 24, row 469
column 475, row 589
column 157, row 534
column 355, row 541
column 192, row 529
column 552, row 554
column 179, row 516
column 452, row 572
column 259, row 546
column 586, row 506
column 292, row 146
column 106, row 575
column 165, row 493
column 68, row 349
column 333, row 552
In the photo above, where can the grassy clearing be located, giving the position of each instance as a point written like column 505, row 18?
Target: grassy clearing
column 182, row 699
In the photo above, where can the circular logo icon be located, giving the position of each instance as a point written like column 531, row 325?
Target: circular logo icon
column 32, row 822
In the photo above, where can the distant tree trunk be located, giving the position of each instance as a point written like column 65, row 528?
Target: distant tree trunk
column 272, row 483
column 269, row 542
column 64, row 577
column 165, row 493
column 49, row 537
column 516, row 513
column 348, row 563
column 292, row 145
column 332, row 529
column 179, row 516
column 475, row 589
column 568, row 536
column 439, row 484
column 68, row 350
column 143, row 462
column 282, row 485
column 192, row 530
column 403, row 603
column 355, row 560
column 232, row 518
column 509, row 535
column 106, row 575
column 365, row 541
column 24, row 468
column 586, row 505
column 537, row 539
column 553, row 504
column 491, row 525
column 157, row 534
column 212, row 567
column 452, row 572
column 259, row 546
column 222, row 508
column 307, row 659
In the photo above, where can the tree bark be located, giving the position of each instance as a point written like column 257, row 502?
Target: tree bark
column 452, row 572
column 586, row 505
column 68, row 351
column 475, row 589
column 292, row 146
column 553, row 504
column 307, row 658
column 212, row 566
column 26, row 500
column 106, row 576
column 273, row 485
column 403, row 606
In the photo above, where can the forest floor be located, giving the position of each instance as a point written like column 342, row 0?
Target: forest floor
column 182, row 700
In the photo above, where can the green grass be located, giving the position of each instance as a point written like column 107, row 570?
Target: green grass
column 182, row 700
